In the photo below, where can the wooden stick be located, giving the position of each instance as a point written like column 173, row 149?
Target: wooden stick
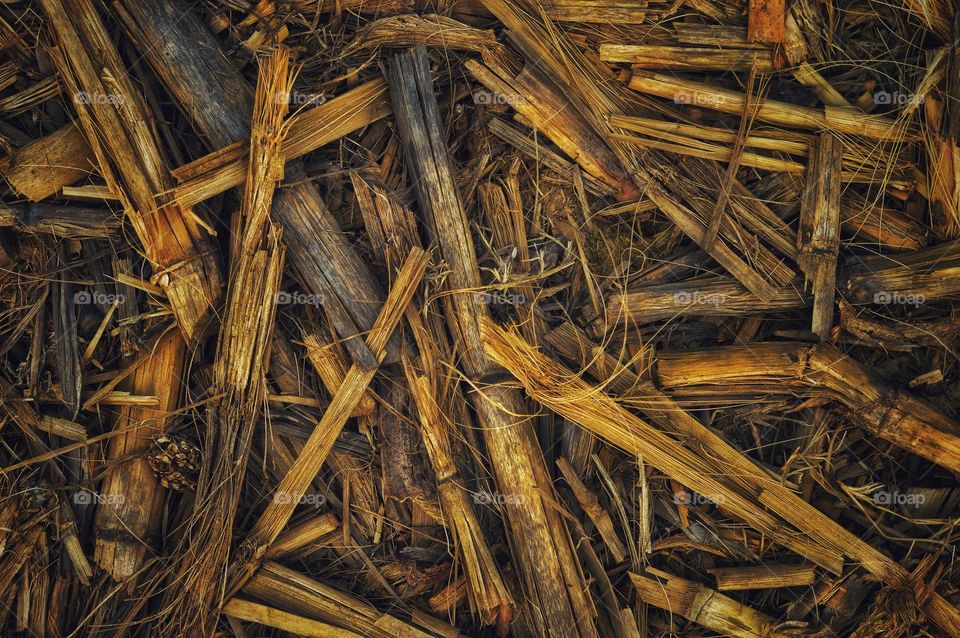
column 272, row 617
column 818, row 239
column 827, row 119
column 591, row 506
column 63, row 221
column 765, row 576
column 910, row 279
column 239, row 384
column 642, row 56
column 283, row 587
column 128, row 526
column 41, row 168
column 706, row 607
column 710, row 296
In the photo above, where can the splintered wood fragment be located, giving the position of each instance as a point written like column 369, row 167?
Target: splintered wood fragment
column 591, row 506
column 306, row 534
column 318, row 251
column 128, row 529
column 98, row 192
column 890, row 413
column 430, row 30
column 308, row 130
column 766, row 505
column 298, row 479
column 766, row 21
column 707, row 608
column 250, row 611
column 331, row 364
column 239, row 385
column 596, row 11
column 116, row 120
column 710, row 296
column 527, row 145
column 64, row 221
column 689, row 58
column 896, row 335
column 545, row 557
column 283, row 587
column 840, row 120
column 904, row 279
column 62, row 427
column 41, row 168
column 694, row 139
column 818, row 237
column 69, row 370
column 544, row 105
column 883, row 225
column 765, row 576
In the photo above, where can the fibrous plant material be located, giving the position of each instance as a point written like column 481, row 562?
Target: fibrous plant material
column 239, row 383
column 550, row 575
column 523, row 318
column 114, row 118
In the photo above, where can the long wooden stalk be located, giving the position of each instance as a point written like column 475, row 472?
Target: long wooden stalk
column 546, row 562
column 63, row 221
column 239, row 383
column 689, row 58
column 908, row 279
column 841, row 120
column 710, row 296
column 892, row 414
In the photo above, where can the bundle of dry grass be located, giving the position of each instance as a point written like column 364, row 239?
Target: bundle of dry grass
column 479, row 318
